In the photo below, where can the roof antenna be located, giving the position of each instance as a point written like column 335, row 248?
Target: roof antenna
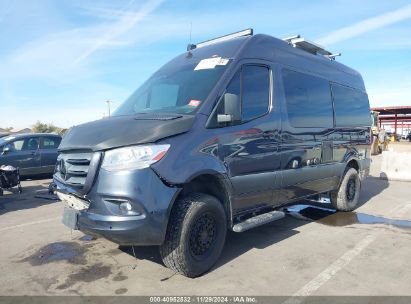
column 191, row 30
column 190, row 46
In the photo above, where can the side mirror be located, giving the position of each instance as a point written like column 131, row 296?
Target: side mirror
column 232, row 109
column 5, row 150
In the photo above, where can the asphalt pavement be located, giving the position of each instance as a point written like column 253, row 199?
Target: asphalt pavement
column 312, row 251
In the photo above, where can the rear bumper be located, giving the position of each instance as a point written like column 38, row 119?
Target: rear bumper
column 149, row 197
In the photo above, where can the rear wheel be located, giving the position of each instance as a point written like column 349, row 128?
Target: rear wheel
column 345, row 198
column 195, row 236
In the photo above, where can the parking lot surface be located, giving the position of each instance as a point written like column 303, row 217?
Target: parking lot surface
column 312, row 251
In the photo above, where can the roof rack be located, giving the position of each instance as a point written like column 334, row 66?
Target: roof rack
column 310, row 47
column 246, row 32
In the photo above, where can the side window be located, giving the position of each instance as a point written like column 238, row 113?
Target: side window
column 351, row 107
column 16, row 145
column 51, row 142
column 308, row 100
column 235, row 84
column 252, row 85
column 255, row 91
column 31, row 143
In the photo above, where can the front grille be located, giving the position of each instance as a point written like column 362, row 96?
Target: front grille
column 73, row 168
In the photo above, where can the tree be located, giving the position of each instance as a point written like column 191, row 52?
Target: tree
column 40, row 127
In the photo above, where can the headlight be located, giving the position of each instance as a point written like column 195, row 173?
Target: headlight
column 135, row 157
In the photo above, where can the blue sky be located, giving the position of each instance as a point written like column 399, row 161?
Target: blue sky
column 61, row 59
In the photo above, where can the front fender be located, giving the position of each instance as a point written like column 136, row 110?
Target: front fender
column 185, row 170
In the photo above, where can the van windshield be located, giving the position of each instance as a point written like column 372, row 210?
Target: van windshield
column 175, row 88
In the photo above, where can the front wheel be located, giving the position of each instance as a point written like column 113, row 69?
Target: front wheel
column 195, row 235
column 345, row 198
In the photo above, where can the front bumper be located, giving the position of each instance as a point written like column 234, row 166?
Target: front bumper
column 151, row 202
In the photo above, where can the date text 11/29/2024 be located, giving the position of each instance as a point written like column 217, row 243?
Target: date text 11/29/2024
column 203, row 299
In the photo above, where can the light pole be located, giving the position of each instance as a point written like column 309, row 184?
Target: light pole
column 108, row 105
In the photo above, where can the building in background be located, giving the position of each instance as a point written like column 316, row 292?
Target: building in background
column 395, row 119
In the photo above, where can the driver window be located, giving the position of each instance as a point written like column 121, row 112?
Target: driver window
column 232, row 88
column 255, row 91
column 15, row 145
column 252, row 85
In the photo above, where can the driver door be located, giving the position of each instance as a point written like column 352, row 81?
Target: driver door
column 23, row 154
column 249, row 148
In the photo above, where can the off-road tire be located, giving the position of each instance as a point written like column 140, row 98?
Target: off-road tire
column 191, row 216
column 345, row 198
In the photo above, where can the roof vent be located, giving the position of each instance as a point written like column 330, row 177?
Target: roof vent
column 310, row 47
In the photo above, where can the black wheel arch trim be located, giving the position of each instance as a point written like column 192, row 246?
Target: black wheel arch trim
column 223, row 180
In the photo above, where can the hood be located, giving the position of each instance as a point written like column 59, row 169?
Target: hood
column 121, row 131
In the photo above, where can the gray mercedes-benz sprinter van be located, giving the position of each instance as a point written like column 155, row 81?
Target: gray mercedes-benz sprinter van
column 219, row 138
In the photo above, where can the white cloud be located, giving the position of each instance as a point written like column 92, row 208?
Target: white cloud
column 61, row 56
column 126, row 22
column 61, row 62
column 366, row 25
column 51, row 57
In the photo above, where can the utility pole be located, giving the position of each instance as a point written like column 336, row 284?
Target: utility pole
column 108, row 105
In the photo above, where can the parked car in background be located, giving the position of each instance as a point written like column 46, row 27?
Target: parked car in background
column 32, row 153
column 408, row 136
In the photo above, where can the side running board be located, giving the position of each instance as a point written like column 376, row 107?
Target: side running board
column 258, row 220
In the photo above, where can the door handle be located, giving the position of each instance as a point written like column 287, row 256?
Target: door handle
column 33, row 153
